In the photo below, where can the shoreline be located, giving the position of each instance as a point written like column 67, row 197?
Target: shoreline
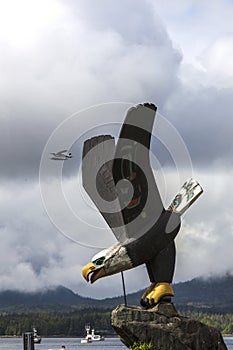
column 71, row 337
column 57, row 336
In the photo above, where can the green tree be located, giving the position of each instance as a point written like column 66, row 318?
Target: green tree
column 141, row 346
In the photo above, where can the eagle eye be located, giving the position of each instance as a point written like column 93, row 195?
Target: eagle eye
column 99, row 261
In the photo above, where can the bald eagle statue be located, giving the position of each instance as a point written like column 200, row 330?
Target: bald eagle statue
column 119, row 180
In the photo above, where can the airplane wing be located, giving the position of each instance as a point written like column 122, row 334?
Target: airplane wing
column 60, row 153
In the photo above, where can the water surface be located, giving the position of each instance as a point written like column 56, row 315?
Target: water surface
column 74, row 344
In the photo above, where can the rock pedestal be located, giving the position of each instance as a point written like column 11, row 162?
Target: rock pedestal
column 164, row 328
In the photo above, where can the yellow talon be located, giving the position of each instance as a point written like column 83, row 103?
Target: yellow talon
column 156, row 292
column 149, row 290
column 161, row 290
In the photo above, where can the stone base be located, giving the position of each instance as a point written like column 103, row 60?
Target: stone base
column 164, row 328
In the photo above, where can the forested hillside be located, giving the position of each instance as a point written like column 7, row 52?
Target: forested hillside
column 61, row 312
column 209, row 295
column 73, row 323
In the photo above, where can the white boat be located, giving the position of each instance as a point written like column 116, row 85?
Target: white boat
column 90, row 337
column 36, row 337
column 86, row 340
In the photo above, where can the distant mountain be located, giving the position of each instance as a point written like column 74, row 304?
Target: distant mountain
column 212, row 290
column 50, row 299
column 51, row 296
column 212, row 295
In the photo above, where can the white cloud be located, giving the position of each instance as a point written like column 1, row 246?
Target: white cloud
column 21, row 23
column 195, row 24
column 205, row 241
column 78, row 59
column 74, row 62
column 216, row 60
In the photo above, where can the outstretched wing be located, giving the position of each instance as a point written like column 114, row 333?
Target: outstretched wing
column 188, row 194
column 132, row 165
column 97, row 158
column 120, row 180
column 60, row 153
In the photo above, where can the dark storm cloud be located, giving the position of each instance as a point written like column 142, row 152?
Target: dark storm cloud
column 204, row 120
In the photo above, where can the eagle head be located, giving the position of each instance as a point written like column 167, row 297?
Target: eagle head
column 107, row 262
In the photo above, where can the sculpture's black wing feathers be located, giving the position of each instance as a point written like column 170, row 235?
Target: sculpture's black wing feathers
column 132, row 163
column 128, row 216
column 98, row 153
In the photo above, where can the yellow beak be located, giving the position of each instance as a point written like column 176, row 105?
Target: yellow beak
column 86, row 270
column 97, row 272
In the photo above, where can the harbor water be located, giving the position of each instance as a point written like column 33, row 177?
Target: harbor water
column 74, row 344
column 56, row 343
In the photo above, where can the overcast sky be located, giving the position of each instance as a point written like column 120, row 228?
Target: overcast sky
column 71, row 69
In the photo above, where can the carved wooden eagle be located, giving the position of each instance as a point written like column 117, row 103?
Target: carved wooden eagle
column 119, row 180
